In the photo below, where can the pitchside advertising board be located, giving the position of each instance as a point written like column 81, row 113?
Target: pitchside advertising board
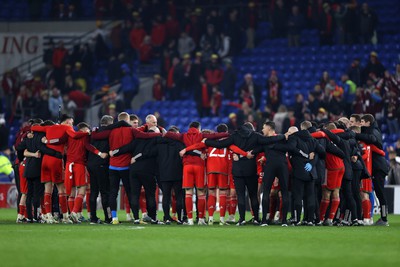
column 17, row 48
column 9, row 198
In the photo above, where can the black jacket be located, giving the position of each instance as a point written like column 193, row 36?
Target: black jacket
column 169, row 162
column 372, row 135
column 146, row 163
column 101, row 145
column 247, row 140
column 305, row 142
column 34, row 165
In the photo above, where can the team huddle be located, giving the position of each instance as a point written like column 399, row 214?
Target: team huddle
column 325, row 172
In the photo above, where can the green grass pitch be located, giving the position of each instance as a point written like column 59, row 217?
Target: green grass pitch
column 162, row 245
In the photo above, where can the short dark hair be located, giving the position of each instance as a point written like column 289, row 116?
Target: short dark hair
column 133, row 117
column 368, row 118
column 173, row 129
column 65, row 117
column 195, row 124
column 249, row 125
column 47, row 123
column 357, row 117
column 340, row 125
column 35, row 121
column 222, row 128
column 82, row 125
column 270, row 124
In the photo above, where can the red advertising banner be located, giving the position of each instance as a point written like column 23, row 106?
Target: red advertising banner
column 8, row 195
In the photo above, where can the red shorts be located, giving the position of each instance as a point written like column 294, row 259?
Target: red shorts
column 366, row 185
column 276, row 185
column 193, row 175
column 260, row 177
column 75, row 176
column 231, row 183
column 333, row 179
column 52, row 169
column 23, row 184
column 217, row 180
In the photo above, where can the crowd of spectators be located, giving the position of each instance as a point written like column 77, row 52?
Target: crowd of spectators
column 369, row 89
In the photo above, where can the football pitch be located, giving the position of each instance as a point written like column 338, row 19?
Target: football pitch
column 172, row 245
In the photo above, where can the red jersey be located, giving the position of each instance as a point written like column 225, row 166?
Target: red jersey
column 219, row 160
column 193, row 136
column 332, row 162
column 119, row 137
column 77, row 148
column 57, row 132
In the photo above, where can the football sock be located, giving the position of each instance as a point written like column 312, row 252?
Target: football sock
column 189, row 205
column 71, row 201
column 222, row 205
column 78, row 203
column 142, row 201
column 202, row 205
column 62, row 199
column 272, row 207
column 211, row 202
column 322, row 209
column 47, row 202
column 334, row 206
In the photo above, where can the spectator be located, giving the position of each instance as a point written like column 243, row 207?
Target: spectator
column 174, row 80
column 158, row 35
column 232, row 123
column 55, row 103
column 373, row 66
column 215, row 19
column 324, row 79
column 216, row 101
column 186, row 44
column 326, row 26
column 279, row 20
column 58, row 58
column 354, row 72
column 392, row 112
column 289, row 121
column 172, row 28
column 69, row 106
column 225, row 48
column 313, row 104
column 114, row 70
column 158, row 90
column 160, row 120
column 187, row 75
column 214, row 73
column 397, row 74
column 322, row 117
column 340, row 20
column 351, row 24
column 137, row 36
column 129, row 85
column 101, row 50
column 229, row 80
column 394, row 172
column 210, row 39
column 82, row 101
column 205, row 99
column 8, row 85
column 295, row 25
column 234, row 31
column 274, row 91
column 358, row 106
column 337, row 105
column 48, row 53
column 79, row 77
column 42, row 106
column 349, row 92
column 368, row 23
column 299, row 108
column 248, row 91
column 279, row 118
column 146, row 50
column 87, row 58
column 244, row 112
column 116, row 38
column 251, row 24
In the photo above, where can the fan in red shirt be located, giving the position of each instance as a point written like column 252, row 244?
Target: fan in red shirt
column 193, row 168
column 137, row 35
column 218, row 169
column 158, row 89
column 52, row 167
